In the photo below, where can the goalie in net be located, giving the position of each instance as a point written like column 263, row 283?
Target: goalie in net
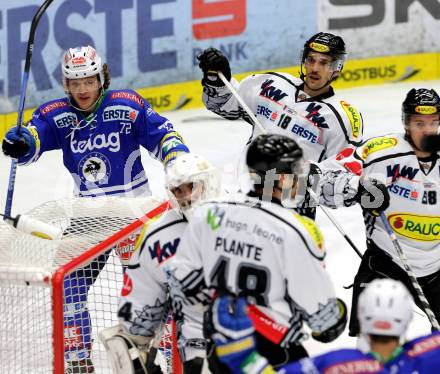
column 131, row 345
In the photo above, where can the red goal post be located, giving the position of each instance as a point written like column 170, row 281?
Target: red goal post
column 33, row 272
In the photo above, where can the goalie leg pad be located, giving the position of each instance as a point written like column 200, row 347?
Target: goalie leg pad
column 127, row 354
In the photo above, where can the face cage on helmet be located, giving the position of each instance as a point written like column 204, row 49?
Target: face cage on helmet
column 207, row 179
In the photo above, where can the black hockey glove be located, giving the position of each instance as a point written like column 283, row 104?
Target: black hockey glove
column 373, row 196
column 212, row 61
column 18, row 142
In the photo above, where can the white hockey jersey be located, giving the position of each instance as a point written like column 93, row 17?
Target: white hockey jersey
column 322, row 125
column 145, row 291
column 414, row 211
column 269, row 254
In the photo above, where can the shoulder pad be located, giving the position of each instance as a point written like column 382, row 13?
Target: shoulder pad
column 315, row 233
column 378, row 144
column 127, row 95
column 355, row 119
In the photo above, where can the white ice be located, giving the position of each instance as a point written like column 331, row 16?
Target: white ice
column 222, row 142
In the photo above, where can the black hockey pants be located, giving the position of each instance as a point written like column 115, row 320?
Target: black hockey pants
column 377, row 264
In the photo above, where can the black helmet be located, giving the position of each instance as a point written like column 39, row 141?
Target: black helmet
column 420, row 101
column 272, row 151
column 326, row 43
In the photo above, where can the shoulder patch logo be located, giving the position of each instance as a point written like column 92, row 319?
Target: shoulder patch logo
column 312, row 229
column 354, row 118
column 377, row 144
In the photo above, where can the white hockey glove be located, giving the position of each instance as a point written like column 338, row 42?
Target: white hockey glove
column 127, row 353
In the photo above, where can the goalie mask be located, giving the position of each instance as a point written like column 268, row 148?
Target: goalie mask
column 272, row 155
column 191, row 178
column 385, row 308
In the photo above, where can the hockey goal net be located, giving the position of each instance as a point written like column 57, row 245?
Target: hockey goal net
column 46, row 284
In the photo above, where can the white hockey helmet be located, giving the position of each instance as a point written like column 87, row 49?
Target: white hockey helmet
column 81, row 62
column 193, row 168
column 385, row 308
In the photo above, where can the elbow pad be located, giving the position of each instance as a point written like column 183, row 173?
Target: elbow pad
column 337, row 329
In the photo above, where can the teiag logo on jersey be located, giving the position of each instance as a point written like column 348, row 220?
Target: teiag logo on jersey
column 94, row 169
column 416, row 227
column 109, row 141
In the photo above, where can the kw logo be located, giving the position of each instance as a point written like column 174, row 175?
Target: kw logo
column 394, row 172
column 163, row 252
column 271, row 92
column 314, row 116
column 215, row 218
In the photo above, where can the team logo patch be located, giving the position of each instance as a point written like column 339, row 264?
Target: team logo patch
column 377, row 144
column 318, row 47
column 425, row 345
column 65, row 119
column 416, row 227
column 127, row 287
column 119, row 113
column 354, row 117
column 313, row 230
column 128, row 96
column 94, row 168
column 127, row 247
column 215, row 217
column 426, row 109
column 52, row 106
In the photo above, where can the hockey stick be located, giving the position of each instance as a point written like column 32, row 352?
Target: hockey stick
column 263, row 131
column 24, row 82
column 411, row 275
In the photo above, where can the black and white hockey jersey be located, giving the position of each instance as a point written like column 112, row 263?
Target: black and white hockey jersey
column 260, row 250
column 145, row 291
column 322, row 125
column 414, row 211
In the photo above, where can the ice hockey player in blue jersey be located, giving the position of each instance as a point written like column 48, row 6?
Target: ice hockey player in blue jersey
column 385, row 310
column 100, row 132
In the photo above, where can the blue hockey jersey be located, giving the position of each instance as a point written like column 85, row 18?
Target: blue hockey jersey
column 421, row 356
column 102, row 151
column 350, row 361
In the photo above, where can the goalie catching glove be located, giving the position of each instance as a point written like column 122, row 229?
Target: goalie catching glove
column 128, row 354
column 211, row 62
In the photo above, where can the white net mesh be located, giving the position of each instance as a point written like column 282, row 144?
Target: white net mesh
column 91, row 290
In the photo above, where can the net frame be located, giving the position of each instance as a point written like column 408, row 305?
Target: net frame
column 54, row 280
